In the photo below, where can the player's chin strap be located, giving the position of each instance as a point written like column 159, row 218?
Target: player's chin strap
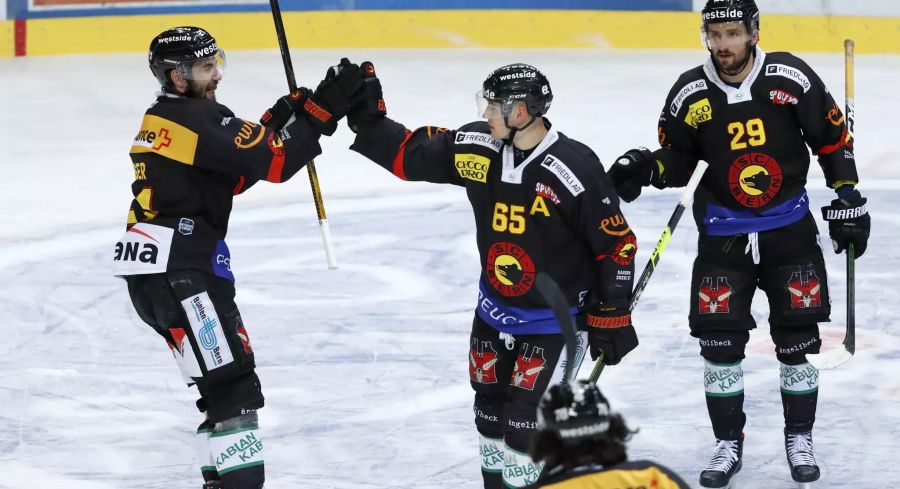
column 512, row 130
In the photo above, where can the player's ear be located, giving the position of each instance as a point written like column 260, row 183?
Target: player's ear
column 180, row 84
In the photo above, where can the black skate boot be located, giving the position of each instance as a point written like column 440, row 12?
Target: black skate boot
column 213, row 485
column 724, row 464
column 799, row 449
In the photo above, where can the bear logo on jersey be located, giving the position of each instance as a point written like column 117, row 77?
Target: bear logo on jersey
column 529, row 365
column 509, row 269
column 482, row 359
column 805, row 289
column 714, row 297
column 625, row 250
column 754, row 179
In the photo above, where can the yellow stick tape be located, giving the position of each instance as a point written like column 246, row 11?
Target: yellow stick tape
column 456, row 28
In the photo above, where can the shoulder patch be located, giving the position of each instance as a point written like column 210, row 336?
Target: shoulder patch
column 699, row 111
column 565, row 175
column 684, row 92
column 790, row 73
column 165, row 138
column 472, row 167
column 480, row 139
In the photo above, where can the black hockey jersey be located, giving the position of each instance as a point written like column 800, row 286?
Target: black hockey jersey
column 191, row 157
column 754, row 137
column 627, row 475
column 554, row 212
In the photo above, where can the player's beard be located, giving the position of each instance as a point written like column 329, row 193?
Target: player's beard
column 734, row 65
column 204, row 89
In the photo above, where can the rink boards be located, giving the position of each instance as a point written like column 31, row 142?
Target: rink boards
column 51, row 27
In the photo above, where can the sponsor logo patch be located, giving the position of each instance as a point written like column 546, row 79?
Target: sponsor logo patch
column 249, row 135
column 207, row 331
column 547, row 192
column 835, row 117
column 480, row 139
column 143, row 249
column 686, row 90
column 615, row 225
column 790, row 73
column 166, row 138
column 564, row 174
column 698, row 113
column 782, row 97
column 472, row 167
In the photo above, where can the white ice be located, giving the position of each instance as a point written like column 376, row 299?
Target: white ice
column 364, row 368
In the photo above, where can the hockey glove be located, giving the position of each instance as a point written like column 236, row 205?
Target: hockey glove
column 631, row 172
column 848, row 222
column 610, row 331
column 341, row 83
column 369, row 106
column 280, row 114
column 300, row 103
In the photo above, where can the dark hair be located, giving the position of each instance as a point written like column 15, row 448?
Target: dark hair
column 547, row 447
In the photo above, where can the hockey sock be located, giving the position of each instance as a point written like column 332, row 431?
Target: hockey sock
column 236, row 448
column 204, row 455
column 518, row 468
column 491, row 451
column 799, row 395
column 724, row 384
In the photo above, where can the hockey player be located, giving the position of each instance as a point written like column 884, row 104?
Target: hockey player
column 191, row 156
column 582, row 444
column 751, row 115
column 542, row 202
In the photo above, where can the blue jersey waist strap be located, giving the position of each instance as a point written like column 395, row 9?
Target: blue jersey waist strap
column 514, row 320
column 722, row 221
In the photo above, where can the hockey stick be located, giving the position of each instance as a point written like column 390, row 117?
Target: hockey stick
column 311, row 166
column 686, row 198
column 553, row 296
column 840, row 356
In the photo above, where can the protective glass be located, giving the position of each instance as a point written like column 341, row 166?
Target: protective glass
column 204, row 69
column 724, row 35
column 490, row 108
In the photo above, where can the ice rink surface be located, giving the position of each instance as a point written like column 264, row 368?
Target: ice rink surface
column 364, row 368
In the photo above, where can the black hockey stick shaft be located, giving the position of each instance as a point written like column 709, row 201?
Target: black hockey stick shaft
column 850, row 109
column 554, row 297
column 850, row 115
column 850, row 334
column 311, row 166
column 686, row 198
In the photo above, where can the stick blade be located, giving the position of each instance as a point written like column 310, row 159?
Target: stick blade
column 829, row 359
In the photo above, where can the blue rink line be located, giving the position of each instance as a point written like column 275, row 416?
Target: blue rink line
column 18, row 9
